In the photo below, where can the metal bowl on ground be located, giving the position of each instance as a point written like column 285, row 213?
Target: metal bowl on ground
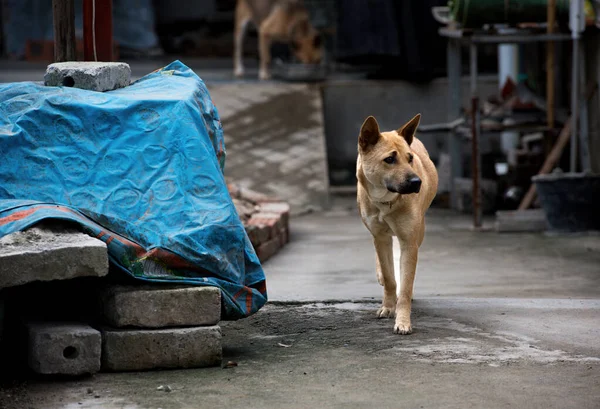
column 299, row 72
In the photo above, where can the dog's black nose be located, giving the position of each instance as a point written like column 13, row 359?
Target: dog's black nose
column 414, row 184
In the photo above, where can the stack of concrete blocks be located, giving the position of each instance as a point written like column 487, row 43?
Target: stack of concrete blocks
column 151, row 327
column 269, row 227
column 141, row 327
column 53, row 253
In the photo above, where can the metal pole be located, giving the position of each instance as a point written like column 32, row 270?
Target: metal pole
column 574, row 104
column 454, row 112
column 475, row 159
column 576, row 24
column 475, row 163
column 551, row 20
column 584, row 141
column 63, row 14
column 97, row 30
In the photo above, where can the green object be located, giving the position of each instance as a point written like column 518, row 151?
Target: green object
column 476, row 13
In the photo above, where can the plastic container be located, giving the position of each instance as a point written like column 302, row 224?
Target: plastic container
column 571, row 200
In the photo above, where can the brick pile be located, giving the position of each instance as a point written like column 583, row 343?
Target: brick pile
column 265, row 218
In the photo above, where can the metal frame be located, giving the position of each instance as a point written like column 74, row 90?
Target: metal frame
column 458, row 38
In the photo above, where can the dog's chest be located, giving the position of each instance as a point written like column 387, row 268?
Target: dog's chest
column 375, row 219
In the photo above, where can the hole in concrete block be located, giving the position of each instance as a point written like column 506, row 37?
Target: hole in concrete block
column 70, row 352
column 68, row 81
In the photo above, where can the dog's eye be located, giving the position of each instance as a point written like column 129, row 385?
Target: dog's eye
column 410, row 157
column 389, row 160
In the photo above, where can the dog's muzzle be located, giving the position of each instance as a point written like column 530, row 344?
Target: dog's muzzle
column 412, row 185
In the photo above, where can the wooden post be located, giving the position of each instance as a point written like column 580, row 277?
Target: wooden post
column 63, row 12
column 551, row 20
column 97, row 30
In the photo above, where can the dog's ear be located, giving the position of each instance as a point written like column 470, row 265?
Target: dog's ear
column 408, row 130
column 369, row 133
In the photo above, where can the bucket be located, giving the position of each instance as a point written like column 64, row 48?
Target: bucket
column 571, row 201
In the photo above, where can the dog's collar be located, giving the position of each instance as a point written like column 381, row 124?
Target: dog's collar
column 387, row 203
column 390, row 203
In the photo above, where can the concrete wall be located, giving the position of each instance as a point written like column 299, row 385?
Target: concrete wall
column 346, row 104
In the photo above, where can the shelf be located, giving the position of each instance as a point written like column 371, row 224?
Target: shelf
column 518, row 36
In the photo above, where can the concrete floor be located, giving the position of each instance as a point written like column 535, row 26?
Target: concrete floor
column 499, row 321
column 510, row 320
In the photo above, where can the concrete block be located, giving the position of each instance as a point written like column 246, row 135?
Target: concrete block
column 41, row 254
column 63, row 348
column 532, row 220
column 137, row 350
column 44, row 254
column 158, row 307
column 93, row 76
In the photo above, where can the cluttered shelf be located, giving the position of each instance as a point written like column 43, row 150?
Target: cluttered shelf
column 504, row 36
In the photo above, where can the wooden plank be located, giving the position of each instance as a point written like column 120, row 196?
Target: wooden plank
column 63, row 13
column 551, row 160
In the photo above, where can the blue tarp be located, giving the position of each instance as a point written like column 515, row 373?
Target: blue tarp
column 141, row 168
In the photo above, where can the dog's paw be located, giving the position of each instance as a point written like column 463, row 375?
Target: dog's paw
column 402, row 328
column 238, row 72
column 264, row 75
column 386, row 312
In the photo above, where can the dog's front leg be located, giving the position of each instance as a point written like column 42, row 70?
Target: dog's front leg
column 242, row 18
column 408, row 265
column 264, row 50
column 385, row 273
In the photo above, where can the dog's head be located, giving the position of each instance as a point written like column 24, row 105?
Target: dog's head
column 306, row 42
column 386, row 157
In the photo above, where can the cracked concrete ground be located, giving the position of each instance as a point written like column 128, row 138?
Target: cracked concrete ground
column 500, row 321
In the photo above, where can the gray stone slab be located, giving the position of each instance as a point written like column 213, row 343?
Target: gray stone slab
column 43, row 254
column 158, row 307
column 63, row 348
column 89, row 75
column 137, row 350
column 532, row 220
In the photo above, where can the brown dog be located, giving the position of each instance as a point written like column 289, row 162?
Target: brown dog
column 279, row 20
column 396, row 184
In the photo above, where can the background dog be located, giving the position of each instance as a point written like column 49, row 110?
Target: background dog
column 276, row 20
column 396, row 185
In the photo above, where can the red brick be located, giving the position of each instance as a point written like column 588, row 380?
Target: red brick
column 280, row 208
column 234, row 190
column 285, row 235
column 258, row 234
column 271, row 220
column 253, row 196
column 267, row 250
